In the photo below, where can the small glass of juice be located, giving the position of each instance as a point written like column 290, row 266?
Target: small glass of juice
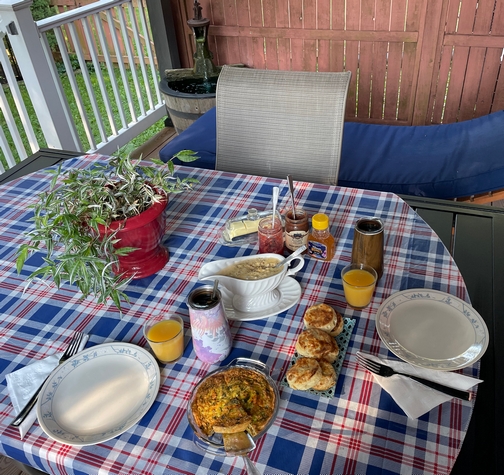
column 359, row 281
column 166, row 338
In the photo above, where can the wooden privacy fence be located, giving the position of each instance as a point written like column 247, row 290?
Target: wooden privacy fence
column 65, row 5
column 413, row 62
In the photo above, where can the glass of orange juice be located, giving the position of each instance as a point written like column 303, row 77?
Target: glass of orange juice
column 166, row 338
column 359, row 281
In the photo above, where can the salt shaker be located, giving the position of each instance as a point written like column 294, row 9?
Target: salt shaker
column 211, row 335
column 368, row 244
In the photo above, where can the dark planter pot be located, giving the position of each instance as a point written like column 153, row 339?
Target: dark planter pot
column 145, row 232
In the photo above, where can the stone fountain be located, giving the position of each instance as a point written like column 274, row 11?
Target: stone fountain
column 189, row 93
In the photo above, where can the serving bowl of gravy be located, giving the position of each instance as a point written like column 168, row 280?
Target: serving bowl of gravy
column 253, row 280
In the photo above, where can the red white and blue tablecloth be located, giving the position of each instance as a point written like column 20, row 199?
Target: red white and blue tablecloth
column 358, row 431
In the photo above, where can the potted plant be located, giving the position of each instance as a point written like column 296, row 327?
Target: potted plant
column 102, row 226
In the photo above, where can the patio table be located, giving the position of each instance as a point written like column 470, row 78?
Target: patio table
column 358, row 430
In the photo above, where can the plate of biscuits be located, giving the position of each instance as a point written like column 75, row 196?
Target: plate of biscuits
column 320, row 350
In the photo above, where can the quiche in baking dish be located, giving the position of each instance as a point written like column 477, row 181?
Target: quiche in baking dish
column 235, row 400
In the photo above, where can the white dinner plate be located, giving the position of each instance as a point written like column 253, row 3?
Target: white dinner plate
column 98, row 394
column 290, row 294
column 432, row 329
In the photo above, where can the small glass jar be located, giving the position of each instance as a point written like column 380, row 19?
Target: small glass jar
column 296, row 230
column 321, row 243
column 271, row 235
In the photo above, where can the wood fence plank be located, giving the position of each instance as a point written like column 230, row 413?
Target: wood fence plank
column 484, row 16
column 296, row 23
column 458, row 69
column 257, row 43
column 323, row 22
column 353, row 13
column 498, row 23
column 269, row 15
column 380, row 61
column 245, row 43
column 424, row 64
column 310, row 46
column 472, row 83
column 367, row 22
column 442, row 81
column 489, row 77
column 283, row 44
column 233, row 44
column 498, row 29
column 394, row 62
column 468, row 11
column 337, row 47
column 216, row 16
column 408, row 73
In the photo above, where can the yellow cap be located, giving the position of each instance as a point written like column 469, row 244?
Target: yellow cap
column 320, row 221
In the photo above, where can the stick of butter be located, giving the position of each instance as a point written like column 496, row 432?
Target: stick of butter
column 243, row 225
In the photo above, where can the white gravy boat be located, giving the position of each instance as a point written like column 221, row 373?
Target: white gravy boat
column 251, row 295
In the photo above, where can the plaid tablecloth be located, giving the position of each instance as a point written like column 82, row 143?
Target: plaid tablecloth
column 360, row 430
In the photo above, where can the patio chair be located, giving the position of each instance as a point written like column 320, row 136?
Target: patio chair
column 273, row 123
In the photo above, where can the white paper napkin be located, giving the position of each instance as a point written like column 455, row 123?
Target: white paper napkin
column 23, row 383
column 412, row 397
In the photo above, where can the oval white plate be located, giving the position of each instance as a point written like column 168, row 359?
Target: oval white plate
column 98, row 394
column 290, row 294
column 432, row 329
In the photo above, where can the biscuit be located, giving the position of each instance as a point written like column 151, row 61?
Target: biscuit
column 316, row 343
column 338, row 328
column 304, row 374
column 320, row 316
column 328, row 376
column 332, row 355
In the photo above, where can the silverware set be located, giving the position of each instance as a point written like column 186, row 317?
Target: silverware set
column 72, row 349
column 386, row 371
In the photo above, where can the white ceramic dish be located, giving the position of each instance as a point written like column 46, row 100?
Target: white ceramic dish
column 250, row 295
column 432, row 329
column 289, row 294
column 98, row 394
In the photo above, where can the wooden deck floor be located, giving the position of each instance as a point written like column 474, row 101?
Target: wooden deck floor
column 151, row 148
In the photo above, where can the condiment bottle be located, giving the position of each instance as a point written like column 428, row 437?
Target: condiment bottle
column 321, row 243
column 296, row 229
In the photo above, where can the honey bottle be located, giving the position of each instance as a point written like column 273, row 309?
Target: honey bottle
column 321, row 243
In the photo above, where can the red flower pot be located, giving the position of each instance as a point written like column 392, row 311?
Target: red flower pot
column 145, row 232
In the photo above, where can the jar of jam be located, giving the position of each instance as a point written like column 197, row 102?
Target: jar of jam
column 296, row 230
column 270, row 234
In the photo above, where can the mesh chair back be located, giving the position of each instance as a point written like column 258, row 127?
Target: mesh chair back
column 273, row 123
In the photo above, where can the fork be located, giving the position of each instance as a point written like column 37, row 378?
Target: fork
column 72, row 349
column 386, row 371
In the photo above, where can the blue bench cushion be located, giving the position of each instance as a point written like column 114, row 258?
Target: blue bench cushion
column 437, row 161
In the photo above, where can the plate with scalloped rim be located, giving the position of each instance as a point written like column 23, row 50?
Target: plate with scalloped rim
column 98, row 394
column 432, row 329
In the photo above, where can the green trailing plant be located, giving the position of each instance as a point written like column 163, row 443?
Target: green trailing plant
column 67, row 216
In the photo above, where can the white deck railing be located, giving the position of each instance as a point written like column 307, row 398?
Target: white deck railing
column 110, row 107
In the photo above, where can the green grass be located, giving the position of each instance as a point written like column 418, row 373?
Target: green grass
column 116, row 77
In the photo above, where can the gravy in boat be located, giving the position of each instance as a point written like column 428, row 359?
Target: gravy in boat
column 252, row 269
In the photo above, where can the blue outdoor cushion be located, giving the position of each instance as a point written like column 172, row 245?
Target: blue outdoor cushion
column 437, row 161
